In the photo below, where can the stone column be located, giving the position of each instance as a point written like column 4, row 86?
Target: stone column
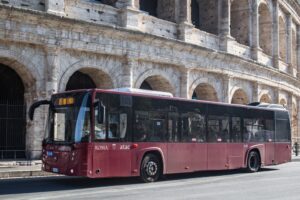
column 254, row 33
column 289, row 43
column 224, row 23
column 127, row 73
column 52, row 70
column 184, row 84
column 298, row 121
column 184, row 20
column 227, row 85
column 275, row 35
column 276, row 95
column 56, row 7
column 129, row 14
column 298, row 50
column 255, row 97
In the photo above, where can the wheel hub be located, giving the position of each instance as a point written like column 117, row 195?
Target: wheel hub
column 151, row 168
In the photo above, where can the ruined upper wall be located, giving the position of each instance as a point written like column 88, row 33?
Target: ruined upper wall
column 28, row 4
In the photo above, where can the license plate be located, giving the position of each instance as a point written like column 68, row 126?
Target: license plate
column 55, row 170
column 50, row 153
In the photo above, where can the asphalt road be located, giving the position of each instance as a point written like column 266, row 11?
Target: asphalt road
column 276, row 182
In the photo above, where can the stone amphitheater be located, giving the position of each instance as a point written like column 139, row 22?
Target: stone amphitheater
column 234, row 51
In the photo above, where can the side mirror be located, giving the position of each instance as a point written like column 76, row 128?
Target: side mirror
column 35, row 105
column 101, row 113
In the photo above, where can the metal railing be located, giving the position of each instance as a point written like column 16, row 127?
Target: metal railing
column 19, row 155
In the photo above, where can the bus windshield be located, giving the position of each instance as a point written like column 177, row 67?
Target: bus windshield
column 69, row 118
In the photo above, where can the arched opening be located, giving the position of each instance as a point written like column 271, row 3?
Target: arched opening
column 240, row 21
column 108, row 2
column 12, row 114
column 294, row 48
column 158, row 83
column 265, row 99
column 239, row 97
column 207, row 11
column 195, row 13
column 283, row 102
column 282, row 40
column 146, row 86
column 205, row 92
column 80, row 80
column 265, row 29
column 149, row 7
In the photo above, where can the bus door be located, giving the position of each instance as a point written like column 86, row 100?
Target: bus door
column 112, row 154
column 218, row 136
column 282, row 137
column 179, row 157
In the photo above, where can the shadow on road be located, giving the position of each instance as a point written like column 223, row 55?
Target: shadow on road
column 60, row 183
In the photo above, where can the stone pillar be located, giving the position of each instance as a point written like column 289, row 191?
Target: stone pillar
column 52, row 70
column 289, row 43
column 129, row 14
column 56, row 7
column 298, row 51
column 184, row 20
column 276, row 95
column 298, row 121
column 227, row 85
column 184, row 84
column 127, row 73
column 275, row 34
column 254, row 33
column 224, row 23
column 255, row 97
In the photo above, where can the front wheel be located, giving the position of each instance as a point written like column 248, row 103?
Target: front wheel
column 253, row 162
column 151, row 168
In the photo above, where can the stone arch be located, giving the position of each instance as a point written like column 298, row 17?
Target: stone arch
column 265, row 98
column 265, row 28
column 205, row 91
column 282, row 39
column 283, row 102
column 100, row 76
column 157, row 82
column 239, row 97
column 31, row 80
column 239, row 21
column 209, row 83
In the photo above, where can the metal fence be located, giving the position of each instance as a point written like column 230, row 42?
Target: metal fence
column 12, row 129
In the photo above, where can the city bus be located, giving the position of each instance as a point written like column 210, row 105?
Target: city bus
column 138, row 133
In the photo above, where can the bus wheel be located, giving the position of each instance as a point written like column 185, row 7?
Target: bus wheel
column 253, row 162
column 151, row 168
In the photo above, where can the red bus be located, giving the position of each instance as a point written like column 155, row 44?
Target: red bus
column 111, row 133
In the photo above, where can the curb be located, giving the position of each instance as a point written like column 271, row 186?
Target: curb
column 24, row 174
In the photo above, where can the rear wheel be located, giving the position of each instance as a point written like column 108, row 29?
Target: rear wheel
column 151, row 168
column 253, row 162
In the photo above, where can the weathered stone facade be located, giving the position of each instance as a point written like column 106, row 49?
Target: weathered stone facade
column 235, row 51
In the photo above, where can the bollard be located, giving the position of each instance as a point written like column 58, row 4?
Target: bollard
column 296, row 148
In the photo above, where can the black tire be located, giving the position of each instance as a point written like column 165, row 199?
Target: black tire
column 151, row 168
column 253, row 162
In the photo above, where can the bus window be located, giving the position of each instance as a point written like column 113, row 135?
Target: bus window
column 193, row 127
column 141, row 126
column 173, row 133
column 218, row 128
column 236, row 134
column 282, row 130
column 258, row 130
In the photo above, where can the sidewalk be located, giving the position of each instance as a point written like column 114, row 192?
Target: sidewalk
column 22, row 169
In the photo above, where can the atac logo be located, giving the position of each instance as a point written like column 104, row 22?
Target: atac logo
column 125, row 147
